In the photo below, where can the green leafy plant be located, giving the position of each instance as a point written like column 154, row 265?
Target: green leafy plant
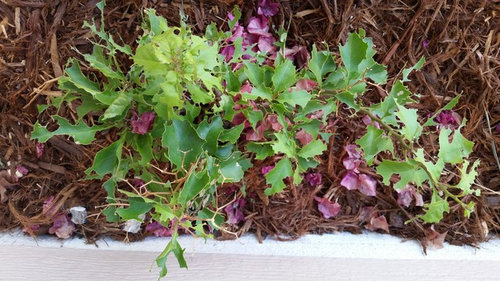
column 191, row 113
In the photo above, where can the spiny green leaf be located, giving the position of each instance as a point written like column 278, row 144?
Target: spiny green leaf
column 434, row 210
column 275, row 177
column 284, row 145
column 79, row 80
column 183, row 143
column 320, row 64
column 107, row 159
column 80, row 132
column 374, row 142
column 409, row 173
column 196, row 182
column 137, row 207
column 353, row 52
column 284, row 76
column 378, row 73
column 467, row 178
column 232, row 135
column 172, row 247
column 98, row 61
column 349, row 99
column 411, row 127
column 254, row 73
column 261, row 150
column 118, row 107
column 293, row 98
column 455, row 151
column 417, row 66
column 314, row 148
column 210, row 132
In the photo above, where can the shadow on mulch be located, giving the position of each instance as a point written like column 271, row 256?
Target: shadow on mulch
column 460, row 40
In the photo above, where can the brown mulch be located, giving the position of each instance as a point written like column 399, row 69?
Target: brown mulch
column 37, row 38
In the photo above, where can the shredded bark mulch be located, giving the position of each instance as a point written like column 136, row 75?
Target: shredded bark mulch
column 460, row 40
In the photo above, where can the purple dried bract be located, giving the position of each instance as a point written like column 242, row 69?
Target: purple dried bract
column 143, row 124
column 314, row 179
column 234, row 211
column 267, row 8
column 448, row 119
column 328, row 208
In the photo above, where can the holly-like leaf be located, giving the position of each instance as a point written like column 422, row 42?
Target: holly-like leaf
column 417, row 66
column 408, row 173
column 284, row 145
column 183, row 143
column 231, row 135
column 172, row 247
column 80, row 132
column 107, row 159
column 255, row 73
column 374, row 142
column 467, row 178
column 314, row 148
column 104, row 65
column 210, row 132
column 196, row 182
column 261, row 150
column 79, row 80
column 294, row 98
column 434, row 211
column 411, row 127
column 453, row 152
column 320, row 64
column 137, row 207
column 284, row 76
column 353, row 52
column 282, row 170
column 118, row 106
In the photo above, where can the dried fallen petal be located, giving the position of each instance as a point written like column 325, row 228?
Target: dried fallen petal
column 352, row 164
column 497, row 129
column 350, row 181
column 266, row 169
column 434, row 239
column 303, row 137
column 259, row 26
column 142, row 125
column 425, row 43
column 78, row 214
column 267, row 8
column 234, row 211
column 237, row 32
column 272, row 121
column 266, row 44
column 306, row 84
column 378, row 222
column 352, row 151
column 227, row 52
column 159, row 230
column 367, row 185
column 328, row 208
column 62, row 227
column 49, row 207
column 40, row 148
column 448, row 119
column 314, row 179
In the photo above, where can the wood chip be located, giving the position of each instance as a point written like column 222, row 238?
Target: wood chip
column 54, row 56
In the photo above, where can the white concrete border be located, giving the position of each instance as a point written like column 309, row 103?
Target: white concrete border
column 358, row 257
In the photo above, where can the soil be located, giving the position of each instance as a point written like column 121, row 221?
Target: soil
column 460, row 40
